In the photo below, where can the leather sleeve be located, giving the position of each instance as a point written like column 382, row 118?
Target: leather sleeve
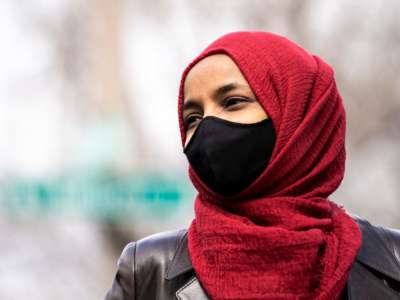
column 123, row 285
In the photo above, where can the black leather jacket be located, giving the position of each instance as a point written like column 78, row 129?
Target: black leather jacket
column 159, row 267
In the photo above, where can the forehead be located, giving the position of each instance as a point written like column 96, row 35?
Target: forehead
column 212, row 70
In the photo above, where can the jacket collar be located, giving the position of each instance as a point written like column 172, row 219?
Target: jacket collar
column 181, row 262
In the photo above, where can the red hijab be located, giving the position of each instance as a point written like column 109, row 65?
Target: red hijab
column 280, row 238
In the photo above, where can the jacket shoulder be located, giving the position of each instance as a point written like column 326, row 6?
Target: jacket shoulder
column 392, row 238
column 389, row 236
column 141, row 261
column 155, row 252
column 377, row 258
column 161, row 243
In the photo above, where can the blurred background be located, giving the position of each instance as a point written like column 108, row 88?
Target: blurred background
column 90, row 154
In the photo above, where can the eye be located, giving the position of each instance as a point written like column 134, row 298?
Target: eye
column 190, row 121
column 234, row 101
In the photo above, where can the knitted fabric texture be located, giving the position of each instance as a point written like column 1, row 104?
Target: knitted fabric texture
column 280, row 238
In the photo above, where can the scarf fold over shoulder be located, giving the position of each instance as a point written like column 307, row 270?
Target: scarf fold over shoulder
column 280, row 238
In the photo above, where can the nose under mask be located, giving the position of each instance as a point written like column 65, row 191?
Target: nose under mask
column 229, row 156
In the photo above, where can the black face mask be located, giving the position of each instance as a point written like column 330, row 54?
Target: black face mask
column 229, row 156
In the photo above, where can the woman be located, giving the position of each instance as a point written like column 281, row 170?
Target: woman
column 263, row 126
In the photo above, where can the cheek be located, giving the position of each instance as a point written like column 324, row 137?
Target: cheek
column 259, row 111
column 188, row 137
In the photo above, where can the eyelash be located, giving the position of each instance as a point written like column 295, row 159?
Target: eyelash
column 227, row 100
column 224, row 104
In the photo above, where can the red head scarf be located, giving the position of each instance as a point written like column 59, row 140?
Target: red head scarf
column 280, row 238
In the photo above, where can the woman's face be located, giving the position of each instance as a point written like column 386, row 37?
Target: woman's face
column 216, row 87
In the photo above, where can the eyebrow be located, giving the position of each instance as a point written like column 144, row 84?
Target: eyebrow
column 222, row 90
column 191, row 104
column 219, row 92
